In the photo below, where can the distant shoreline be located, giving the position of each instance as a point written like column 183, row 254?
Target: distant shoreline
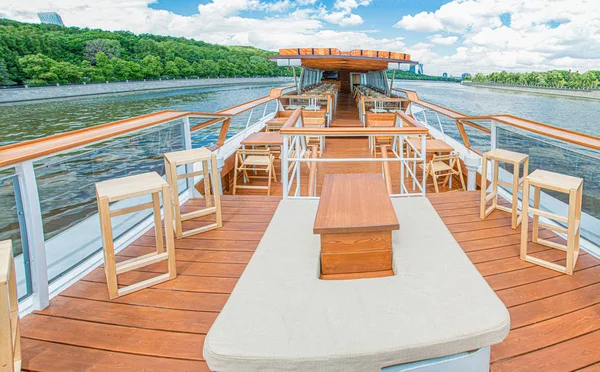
column 589, row 94
column 21, row 95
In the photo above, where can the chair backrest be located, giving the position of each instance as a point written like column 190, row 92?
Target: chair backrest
column 451, row 158
column 259, row 152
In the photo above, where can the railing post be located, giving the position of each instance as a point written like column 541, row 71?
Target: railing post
column 35, row 234
column 493, row 138
column 472, row 163
column 284, row 166
column 424, row 160
column 189, row 168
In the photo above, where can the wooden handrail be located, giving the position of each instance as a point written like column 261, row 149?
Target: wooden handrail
column 409, row 119
column 45, row 146
column 355, row 131
column 565, row 135
column 292, row 119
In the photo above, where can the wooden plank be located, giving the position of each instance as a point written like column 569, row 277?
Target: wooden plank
column 540, row 335
column 566, row 356
column 180, row 283
column 152, row 297
column 193, row 255
column 550, row 307
column 54, row 357
column 130, row 316
column 356, row 262
column 208, row 244
column 550, row 287
column 113, row 338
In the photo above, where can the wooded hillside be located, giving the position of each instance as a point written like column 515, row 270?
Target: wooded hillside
column 48, row 54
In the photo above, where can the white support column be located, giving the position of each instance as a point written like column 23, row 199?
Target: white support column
column 424, row 160
column 472, row 163
column 35, row 234
column 189, row 168
column 284, row 166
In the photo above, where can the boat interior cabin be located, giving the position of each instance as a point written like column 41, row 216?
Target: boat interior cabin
column 339, row 223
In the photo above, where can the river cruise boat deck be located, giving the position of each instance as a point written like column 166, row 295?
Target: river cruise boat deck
column 417, row 276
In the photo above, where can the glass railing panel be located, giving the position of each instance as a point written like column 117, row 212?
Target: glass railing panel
column 12, row 227
column 560, row 157
column 66, row 185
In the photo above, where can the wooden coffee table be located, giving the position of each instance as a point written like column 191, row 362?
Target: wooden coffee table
column 355, row 219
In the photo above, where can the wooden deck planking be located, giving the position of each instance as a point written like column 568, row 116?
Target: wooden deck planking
column 555, row 318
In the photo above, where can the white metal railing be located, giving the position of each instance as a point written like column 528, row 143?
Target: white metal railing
column 295, row 153
column 79, row 246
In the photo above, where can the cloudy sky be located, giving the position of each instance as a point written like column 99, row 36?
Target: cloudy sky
column 447, row 36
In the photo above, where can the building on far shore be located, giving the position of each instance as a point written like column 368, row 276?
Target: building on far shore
column 51, row 18
column 465, row 75
column 445, row 75
column 416, row 69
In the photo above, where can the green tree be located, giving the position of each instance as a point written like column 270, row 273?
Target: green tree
column 152, row 67
column 4, row 74
column 36, row 65
column 110, row 48
column 104, row 65
column 171, row 70
column 66, row 72
column 184, row 67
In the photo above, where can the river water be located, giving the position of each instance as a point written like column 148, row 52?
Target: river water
column 67, row 187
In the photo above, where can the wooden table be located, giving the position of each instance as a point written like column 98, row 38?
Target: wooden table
column 432, row 145
column 355, row 219
column 264, row 139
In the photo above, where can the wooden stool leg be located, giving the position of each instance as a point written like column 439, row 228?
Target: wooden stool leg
column 109, row 249
column 515, row 197
column 206, row 184
column 170, row 240
column 160, row 248
column 525, row 221
column 482, row 203
column 571, row 232
column 176, row 207
column 215, row 182
column 536, row 218
column 235, row 173
column 495, row 165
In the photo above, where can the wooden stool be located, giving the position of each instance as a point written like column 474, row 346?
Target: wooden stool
column 203, row 155
column 514, row 158
column 131, row 187
column 561, row 183
column 10, row 337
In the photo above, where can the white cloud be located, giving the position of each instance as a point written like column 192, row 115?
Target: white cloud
column 283, row 23
column 536, row 35
column 440, row 40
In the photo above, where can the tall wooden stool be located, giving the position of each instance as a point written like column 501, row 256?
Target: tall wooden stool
column 199, row 155
column 131, row 187
column 562, row 183
column 10, row 337
column 505, row 156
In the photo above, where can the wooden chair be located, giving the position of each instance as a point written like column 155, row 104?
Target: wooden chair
column 446, row 166
column 131, row 187
column 314, row 122
column 257, row 160
column 514, row 158
column 573, row 186
column 10, row 336
column 206, row 157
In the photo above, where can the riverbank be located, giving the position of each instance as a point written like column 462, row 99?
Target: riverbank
column 16, row 95
column 577, row 93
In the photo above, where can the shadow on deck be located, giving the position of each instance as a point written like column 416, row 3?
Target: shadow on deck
column 555, row 319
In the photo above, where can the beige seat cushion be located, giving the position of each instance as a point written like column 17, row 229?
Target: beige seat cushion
column 282, row 317
column 257, row 160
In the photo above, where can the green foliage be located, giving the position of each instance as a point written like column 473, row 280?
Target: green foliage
column 409, row 75
column 552, row 78
column 49, row 54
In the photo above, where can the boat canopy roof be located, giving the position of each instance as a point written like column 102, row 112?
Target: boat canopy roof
column 333, row 59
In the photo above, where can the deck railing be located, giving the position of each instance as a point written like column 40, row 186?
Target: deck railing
column 295, row 152
column 549, row 148
column 48, row 196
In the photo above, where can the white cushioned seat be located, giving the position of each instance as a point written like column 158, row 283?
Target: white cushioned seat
column 282, row 317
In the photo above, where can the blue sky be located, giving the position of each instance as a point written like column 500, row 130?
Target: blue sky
column 453, row 36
